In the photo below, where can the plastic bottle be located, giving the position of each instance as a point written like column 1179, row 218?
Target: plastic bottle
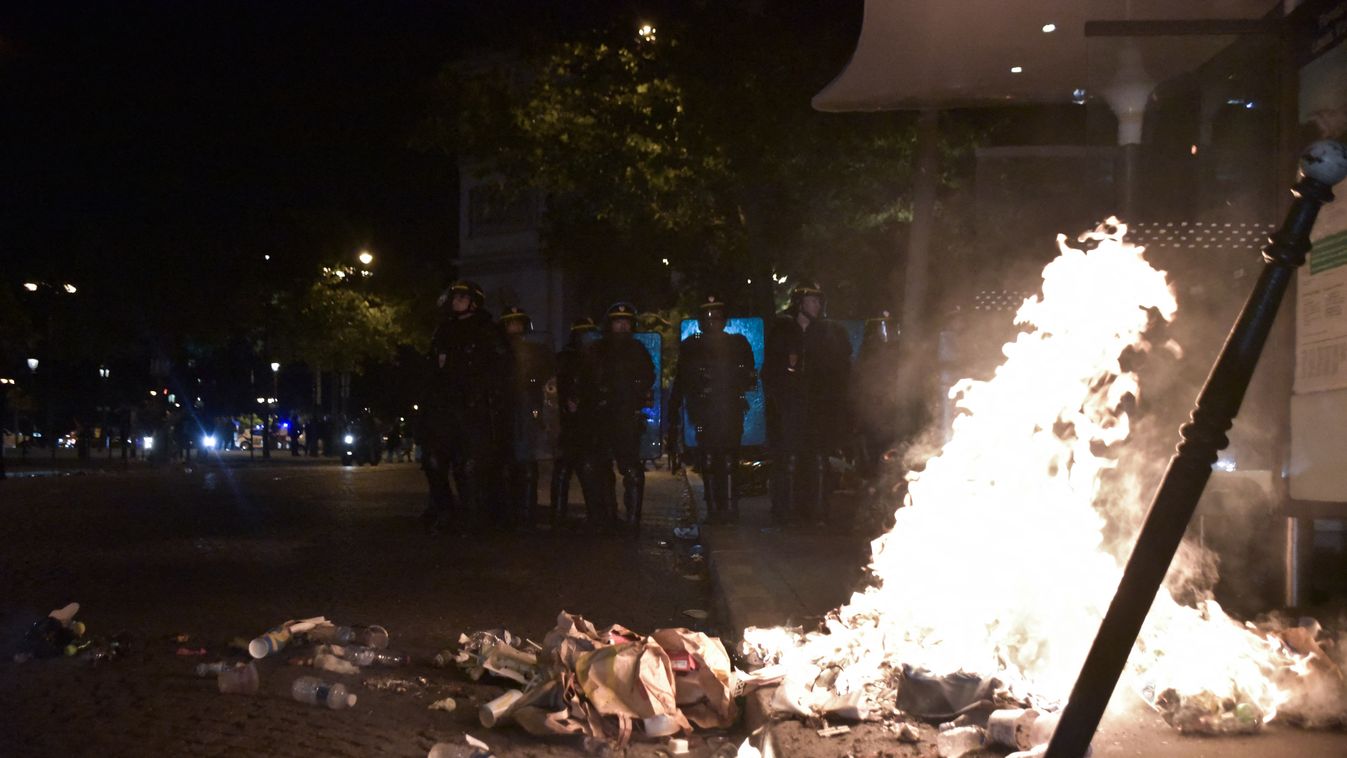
column 211, row 669
column 312, row 690
column 959, row 741
column 239, row 680
column 369, row 636
column 369, row 656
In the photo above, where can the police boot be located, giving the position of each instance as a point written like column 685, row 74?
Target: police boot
column 597, row 485
column 817, row 503
column 633, row 495
column 529, row 483
column 783, row 488
column 730, row 463
column 561, row 490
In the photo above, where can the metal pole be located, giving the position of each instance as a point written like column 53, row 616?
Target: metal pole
column 1321, row 166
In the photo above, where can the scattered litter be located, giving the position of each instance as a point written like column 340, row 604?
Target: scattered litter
column 396, row 684
column 905, row 733
column 953, row 743
column 329, row 662
column 474, row 748
column 448, row 705
column 678, row 746
column 238, row 680
column 1207, row 713
column 1012, row 727
column 211, row 669
column 834, row 731
column 494, row 712
column 691, row 532
column 498, row 652
column 190, row 652
column 373, row 635
column 315, row 691
column 275, row 639
column 51, row 635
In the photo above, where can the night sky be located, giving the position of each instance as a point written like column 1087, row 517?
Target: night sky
column 158, row 150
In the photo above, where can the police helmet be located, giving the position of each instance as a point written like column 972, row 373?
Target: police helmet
column 881, row 328
column 473, row 290
column 583, row 324
column 711, row 305
column 803, row 290
column 621, row 309
column 515, row 313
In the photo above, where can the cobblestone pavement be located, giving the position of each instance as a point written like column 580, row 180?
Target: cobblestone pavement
column 225, row 552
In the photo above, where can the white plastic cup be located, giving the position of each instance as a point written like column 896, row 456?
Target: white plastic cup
column 491, row 713
column 1012, row 727
column 240, row 680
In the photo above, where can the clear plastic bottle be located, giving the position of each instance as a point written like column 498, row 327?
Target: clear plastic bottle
column 369, row 636
column 312, row 690
column 369, row 656
column 211, row 669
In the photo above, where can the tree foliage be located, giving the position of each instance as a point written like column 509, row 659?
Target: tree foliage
column 333, row 326
column 698, row 147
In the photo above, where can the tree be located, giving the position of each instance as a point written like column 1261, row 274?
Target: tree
column 697, row 146
column 333, row 325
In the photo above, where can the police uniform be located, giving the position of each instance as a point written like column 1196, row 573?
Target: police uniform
column 460, row 409
column 616, row 378
column 715, row 371
column 531, row 367
column 806, row 378
column 570, row 446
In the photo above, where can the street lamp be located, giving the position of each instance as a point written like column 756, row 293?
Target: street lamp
column 32, row 364
column 30, row 286
column 103, row 371
column 365, row 258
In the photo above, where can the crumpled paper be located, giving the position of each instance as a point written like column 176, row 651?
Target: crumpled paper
column 610, row 685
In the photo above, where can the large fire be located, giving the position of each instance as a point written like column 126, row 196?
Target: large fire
column 997, row 565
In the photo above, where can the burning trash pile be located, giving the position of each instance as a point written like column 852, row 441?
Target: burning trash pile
column 1032, row 468
column 609, row 686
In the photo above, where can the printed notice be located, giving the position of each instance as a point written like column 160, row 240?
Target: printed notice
column 1321, row 318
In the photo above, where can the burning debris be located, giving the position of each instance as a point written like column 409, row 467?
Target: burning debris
column 1025, row 467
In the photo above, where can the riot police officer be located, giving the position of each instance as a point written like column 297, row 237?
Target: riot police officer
column 806, row 377
column 616, row 379
column 570, row 447
column 460, row 407
column 531, row 368
column 715, row 371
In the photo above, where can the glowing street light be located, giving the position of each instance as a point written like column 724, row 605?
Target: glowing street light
column 365, row 257
column 69, row 288
column 646, row 32
column 103, row 371
column 32, row 364
column 30, row 286
column 275, row 367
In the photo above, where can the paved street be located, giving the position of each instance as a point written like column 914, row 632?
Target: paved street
column 226, row 552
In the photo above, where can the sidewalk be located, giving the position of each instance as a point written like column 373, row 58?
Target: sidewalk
column 764, row 575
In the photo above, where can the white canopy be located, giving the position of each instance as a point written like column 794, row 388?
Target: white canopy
column 955, row 53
